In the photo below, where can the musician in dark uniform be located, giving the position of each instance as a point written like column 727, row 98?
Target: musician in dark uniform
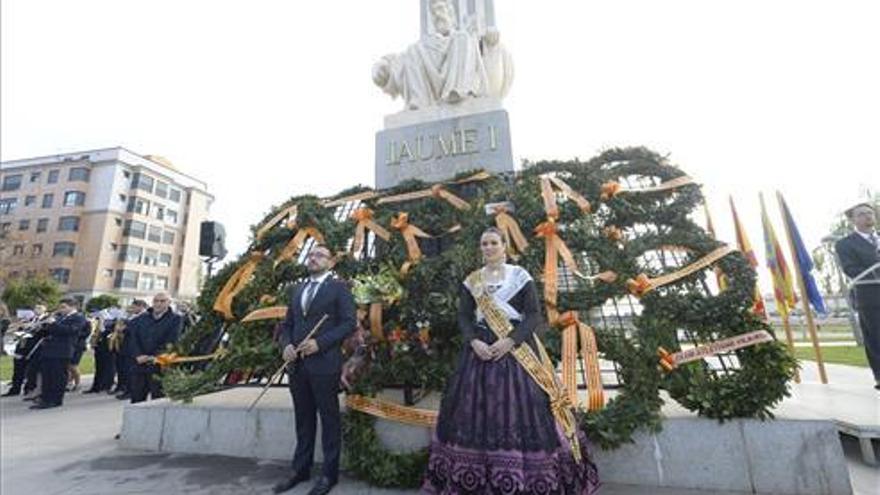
column 25, row 344
column 105, row 364
column 314, row 376
column 56, row 351
column 858, row 252
column 122, row 351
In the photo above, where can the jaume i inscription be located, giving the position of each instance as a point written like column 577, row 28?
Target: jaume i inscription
column 439, row 146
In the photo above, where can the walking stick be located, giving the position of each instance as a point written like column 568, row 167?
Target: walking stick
column 280, row 370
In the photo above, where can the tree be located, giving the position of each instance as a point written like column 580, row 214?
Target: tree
column 26, row 293
column 103, row 301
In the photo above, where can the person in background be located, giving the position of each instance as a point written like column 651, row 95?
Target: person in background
column 151, row 334
column 32, row 379
column 79, row 348
column 105, row 366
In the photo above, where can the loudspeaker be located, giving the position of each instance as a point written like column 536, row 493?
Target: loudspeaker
column 212, row 240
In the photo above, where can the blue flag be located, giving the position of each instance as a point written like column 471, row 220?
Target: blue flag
column 804, row 261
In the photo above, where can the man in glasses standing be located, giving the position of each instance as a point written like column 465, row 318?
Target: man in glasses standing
column 150, row 335
column 316, row 367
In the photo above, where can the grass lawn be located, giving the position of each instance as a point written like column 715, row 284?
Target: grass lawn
column 853, row 356
column 86, row 366
column 826, row 333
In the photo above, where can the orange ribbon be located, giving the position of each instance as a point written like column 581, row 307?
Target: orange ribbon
column 549, row 197
column 289, row 212
column 572, row 330
column 364, row 218
column 642, row 284
column 272, row 313
column 361, row 196
column 610, row 190
column 513, row 235
column 613, row 233
column 436, row 191
column 410, row 233
column 296, row 244
column 171, row 358
column 667, row 361
column 239, row 279
column 639, row 286
column 554, row 247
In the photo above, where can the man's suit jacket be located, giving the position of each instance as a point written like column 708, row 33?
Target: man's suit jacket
column 334, row 299
column 150, row 336
column 856, row 255
column 62, row 335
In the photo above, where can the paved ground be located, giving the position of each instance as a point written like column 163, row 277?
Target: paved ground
column 71, row 450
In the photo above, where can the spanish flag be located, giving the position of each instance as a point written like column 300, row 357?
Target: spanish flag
column 783, row 288
column 745, row 247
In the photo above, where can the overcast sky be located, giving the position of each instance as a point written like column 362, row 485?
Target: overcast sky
column 268, row 99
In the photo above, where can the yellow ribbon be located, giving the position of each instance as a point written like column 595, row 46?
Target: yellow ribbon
column 272, row 313
column 642, row 284
column 376, row 327
column 384, row 409
column 513, row 235
column 296, row 243
column 361, row 196
column 364, row 218
column 289, row 212
column 238, row 281
column 612, row 189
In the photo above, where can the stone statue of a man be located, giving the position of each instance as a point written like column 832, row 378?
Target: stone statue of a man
column 447, row 65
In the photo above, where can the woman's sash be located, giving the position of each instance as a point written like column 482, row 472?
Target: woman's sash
column 540, row 369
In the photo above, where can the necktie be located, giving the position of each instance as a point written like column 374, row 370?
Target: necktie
column 309, row 295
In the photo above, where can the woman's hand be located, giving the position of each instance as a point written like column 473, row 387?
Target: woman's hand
column 482, row 349
column 501, row 347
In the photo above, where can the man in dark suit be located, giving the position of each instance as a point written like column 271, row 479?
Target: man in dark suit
column 151, row 333
column 56, row 351
column 315, row 372
column 124, row 350
column 858, row 252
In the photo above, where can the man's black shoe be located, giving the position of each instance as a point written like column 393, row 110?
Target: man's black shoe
column 322, row 487
column 284, row 485
column 123, row 396
column 11, row 393
column 31, row 397
column 44, row 405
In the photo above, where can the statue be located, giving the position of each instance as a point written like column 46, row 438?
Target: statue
column 448, row 65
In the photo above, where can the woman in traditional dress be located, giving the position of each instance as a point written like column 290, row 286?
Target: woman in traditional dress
column 505, row 425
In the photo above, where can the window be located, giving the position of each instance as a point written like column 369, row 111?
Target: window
column 161, row 283
column 161, row 189
column 150, row 256
column 4, row 227
column 143, row 182
column 78, row 174
column 138, row 205
column 68, row 224
column 114, row 246
column 42, row 225
column 155, row 234
column 171, row 217
column 123, row 198
column 7, row 205
column 61, row 275
column 37, row 250
column 64, row 249
column 131, row 254
column 126, row 279
column 74, row 198
column 24, row 224
column 30, row 200
column 168, row 237
column 126, row 174
column 18, row 250
column 174, row 195
column 53, row 177
column 12, row 182
column 108, row 273
column 35, row 176
column 133, row 228
column 165, row 259
column 47, row 200
column 159, row 212
column 147, row 281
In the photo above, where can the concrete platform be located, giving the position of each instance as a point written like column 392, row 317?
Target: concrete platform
column 788, row 456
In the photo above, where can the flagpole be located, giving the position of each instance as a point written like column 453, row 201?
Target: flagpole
column 805, row 300
column 789, row 337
